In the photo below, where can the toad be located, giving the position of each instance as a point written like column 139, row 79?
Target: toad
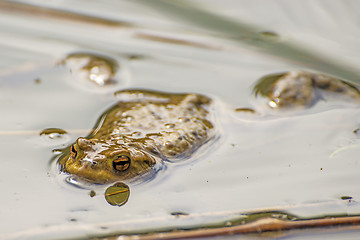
column 142, row 129
column 302, row 89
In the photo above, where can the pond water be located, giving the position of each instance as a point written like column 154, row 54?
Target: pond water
column 302, row 162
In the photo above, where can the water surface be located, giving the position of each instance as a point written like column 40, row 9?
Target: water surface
column 301, row 162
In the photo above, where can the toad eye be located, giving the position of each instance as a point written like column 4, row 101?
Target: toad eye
column 73, row 150
column 121, row 163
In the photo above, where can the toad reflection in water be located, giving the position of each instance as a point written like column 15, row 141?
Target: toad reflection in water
column 140, row 131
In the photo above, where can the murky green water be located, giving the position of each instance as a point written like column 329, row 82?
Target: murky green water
column 302, row 162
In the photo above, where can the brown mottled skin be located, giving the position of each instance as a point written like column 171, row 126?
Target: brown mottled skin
column 141, row 130
column 299, row 88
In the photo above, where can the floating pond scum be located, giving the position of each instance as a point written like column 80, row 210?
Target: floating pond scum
column 282, row 91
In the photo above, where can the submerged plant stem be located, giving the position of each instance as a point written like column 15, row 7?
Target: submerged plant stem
column 46, row 12
column 264, row 225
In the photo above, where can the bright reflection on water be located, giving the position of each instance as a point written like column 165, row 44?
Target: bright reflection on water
column 303, row 161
